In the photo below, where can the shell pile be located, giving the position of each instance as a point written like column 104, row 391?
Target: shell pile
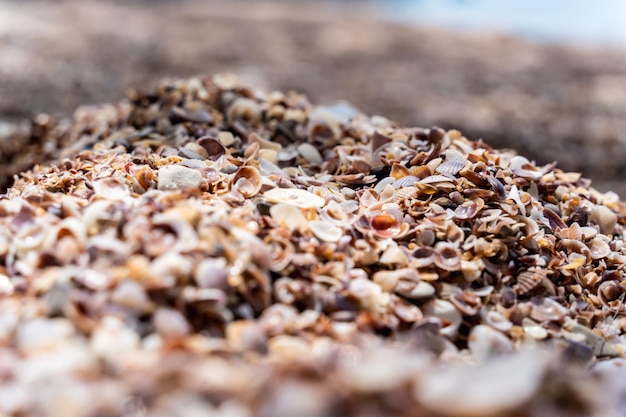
column 209, row 249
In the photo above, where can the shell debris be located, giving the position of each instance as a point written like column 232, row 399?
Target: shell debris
column 258, row 250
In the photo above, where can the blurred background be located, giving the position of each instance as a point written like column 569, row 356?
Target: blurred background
column 545, row 77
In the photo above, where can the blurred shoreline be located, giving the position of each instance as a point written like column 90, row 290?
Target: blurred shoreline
column 548, row 101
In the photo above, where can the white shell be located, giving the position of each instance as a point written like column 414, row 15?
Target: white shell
column 295, row 197
column 325, row 231
column 174, row 177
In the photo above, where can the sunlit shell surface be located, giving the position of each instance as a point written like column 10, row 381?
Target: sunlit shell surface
column 209, row 249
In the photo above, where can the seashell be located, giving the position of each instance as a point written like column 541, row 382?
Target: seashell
column 212, row 147
column 142, row 178
column 555, row 220
column 212, row 273
column 405, row 311
column 479, row 390
column 408, row 287
column 533, row 329
column 263, row 143
column 598, row 248
column 175, row 177
column 192, row 150
column 295, row 197
column 379, row 140
column 131, row 294
column 472, row 270
column 467, row 303
column 545, row 309
column 387, row 280
column 197, row 115
column 407, row 181
column 515, row 196
column 6, row 289
column 355, row 179
column 245, row 335
column 244, row 109
column 529, row 280
column 325, row 231
column 485, row 343
column 587, row 233
column 496, row 186
column 110, row 189
column 448, row 314
column 247, row 180
column 30, row 237
column 420, row 171
column 611, row 295
column 497, row 321
column 604, row 218
column 436, row 179
column 468, row 210
column 601, row 347
column 384, row 225
column 337, row 214
column 310, row 154
column 398, row 171
column 289, row 216
column 170, row 323
column 393, row 255
column 517, row 162
column 424, row 257
column 451, row 167
column 447, row 257
column 489, row 215
column 41, row 334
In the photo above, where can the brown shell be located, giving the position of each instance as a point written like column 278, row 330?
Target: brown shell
column 529, row 280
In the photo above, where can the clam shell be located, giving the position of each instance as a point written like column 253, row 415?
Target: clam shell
column 384, row 225
column 424, row 256
column 294, row 197
column 325, row 231
column 407, row 181
column 436, row 179
column 467, row 210
column 248, row 181
column 447, row 257
column 545, row 309
column 598, row 248
column 451, row 167
column 529, row 280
